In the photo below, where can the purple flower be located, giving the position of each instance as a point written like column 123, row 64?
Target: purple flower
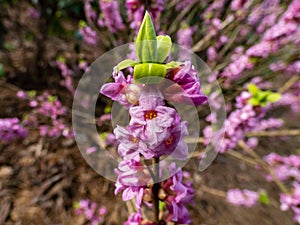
column 111, row 14
column 33, row 13
column 130, row 146
column 183, row 4
column 122, row 90
column 292, row 201
column 136, row 10
column 22, row 95
column 156, row 125
column 134, row 219
column 89, row 35
column 179, row 193
column 185, row 36
column 262, row 49
column 111, row 139
column 132, row 180
column 91, row 150
column 66, row 74
column 244, row 197
column 88, row 208
column 173, row 144
column 211, row 53
column 235, row 69
column 285, row 167
column 11, row 129
column 186, row 87
column 89, row 12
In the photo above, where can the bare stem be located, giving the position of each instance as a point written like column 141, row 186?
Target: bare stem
column 274, row 133
column 266, row 166
column 288, row 84
column 213, row 191
column 155, row 190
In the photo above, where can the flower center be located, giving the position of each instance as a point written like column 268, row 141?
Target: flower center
column 169, row 140
column 149, row 115
column 135, row 140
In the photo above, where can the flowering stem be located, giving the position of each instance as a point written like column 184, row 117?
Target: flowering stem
column 155, row 190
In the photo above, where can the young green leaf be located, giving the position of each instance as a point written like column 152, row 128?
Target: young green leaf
column 264, row 198
column 253, row 89
column 173, row 64
column 76, row 205
column 273, row 97
column 164, row 45
column 125, row 63
column 31, row 93
column 162, row 206
column 107, row 109
column 254, row 102
column 52, row 98
column 149, row 73
column 146, row 48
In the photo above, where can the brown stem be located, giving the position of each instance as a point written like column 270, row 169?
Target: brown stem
column 264, row 165
column 155, row 189
column 274, row 133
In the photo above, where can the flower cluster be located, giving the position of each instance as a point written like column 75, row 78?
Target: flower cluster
column 245, row 118
column 111, row 15
column 11, row 129
column 287, row 168
column 66, row 74
column 90, row 210
column 274, row 35
column 136, row 11
column 154, row 130
column 244, row 197
column 89, row 35
column 51, row 110
column 292, row 201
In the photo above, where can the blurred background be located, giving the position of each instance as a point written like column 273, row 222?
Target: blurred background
column 47, row 45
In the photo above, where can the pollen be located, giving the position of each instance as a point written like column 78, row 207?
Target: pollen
column 169, row 141
column 135, row 140
column 149, row 115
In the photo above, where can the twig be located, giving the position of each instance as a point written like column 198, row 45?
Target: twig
column 192, row 140
column 213, row 191
column 240, row 156
column 129, row 205
column 288, row 84
column 266, row 166
column 274, row 133
column 155, row 190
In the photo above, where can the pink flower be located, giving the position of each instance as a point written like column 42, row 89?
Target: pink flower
column 111, row 14
column 186, row 87
column 292, row 201
column 130, row 146
column 211, row 53
column 179, row 193
column 89, row 35
column 150, row 120
column 122, row 90
column 91, row 150
column 132, row 180
column 173, row 144
column 244, row 197
column 262, row 49
column 134, row 219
